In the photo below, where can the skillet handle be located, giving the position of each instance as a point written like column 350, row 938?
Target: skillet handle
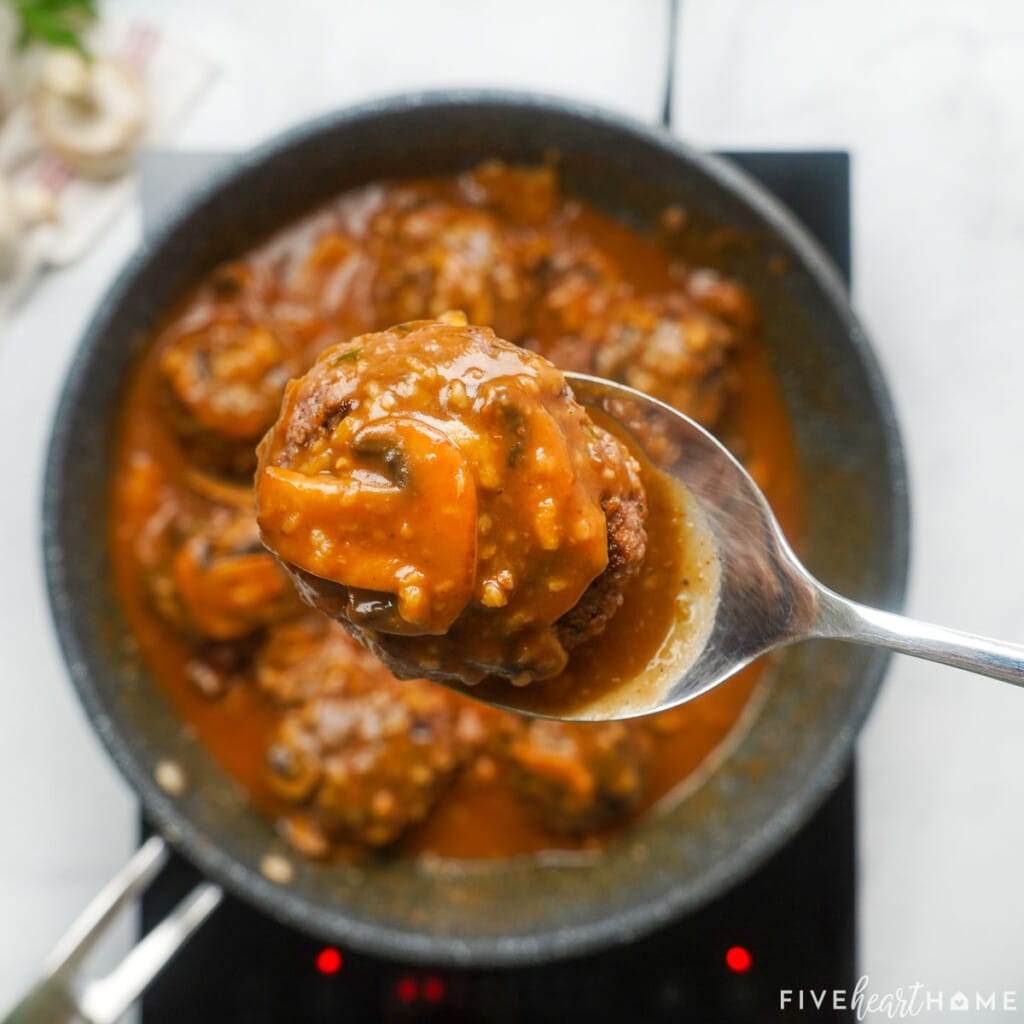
column 55, row 999
column 48, row 1002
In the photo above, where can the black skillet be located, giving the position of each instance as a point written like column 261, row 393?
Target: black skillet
column 815, row 696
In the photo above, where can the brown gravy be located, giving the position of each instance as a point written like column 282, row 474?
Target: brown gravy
column 151, row 468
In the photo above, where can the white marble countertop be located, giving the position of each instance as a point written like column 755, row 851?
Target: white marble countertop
column 929, row 97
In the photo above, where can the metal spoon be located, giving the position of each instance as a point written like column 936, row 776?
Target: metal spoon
column 765, row 598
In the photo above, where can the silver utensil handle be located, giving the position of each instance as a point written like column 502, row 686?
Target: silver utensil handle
column 841, row 619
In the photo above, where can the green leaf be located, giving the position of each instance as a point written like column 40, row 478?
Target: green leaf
column 347, row 357
column 56, row 23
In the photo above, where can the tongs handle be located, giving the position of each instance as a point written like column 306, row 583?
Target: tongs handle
column 54, row 1000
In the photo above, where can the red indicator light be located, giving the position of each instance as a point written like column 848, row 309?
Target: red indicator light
column 407, row 990
column 738, row 959
column 329, row 960
column 433, row 990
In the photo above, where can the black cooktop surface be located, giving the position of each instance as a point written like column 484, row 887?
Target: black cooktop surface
column 791, row 926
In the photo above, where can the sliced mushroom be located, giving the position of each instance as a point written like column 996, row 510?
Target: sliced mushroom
column 90, row 113
column 318, row 523
column 11, row 235
column 8, row 39
column 21, row 207
column 35, row 205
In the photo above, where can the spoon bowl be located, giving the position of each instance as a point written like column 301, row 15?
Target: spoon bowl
column 761, row 597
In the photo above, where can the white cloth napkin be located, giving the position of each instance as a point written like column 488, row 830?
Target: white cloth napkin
column 174, row 76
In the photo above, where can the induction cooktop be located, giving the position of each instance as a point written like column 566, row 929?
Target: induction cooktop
column 790, row 926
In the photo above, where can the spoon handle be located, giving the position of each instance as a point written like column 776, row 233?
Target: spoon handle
column 842, row 619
